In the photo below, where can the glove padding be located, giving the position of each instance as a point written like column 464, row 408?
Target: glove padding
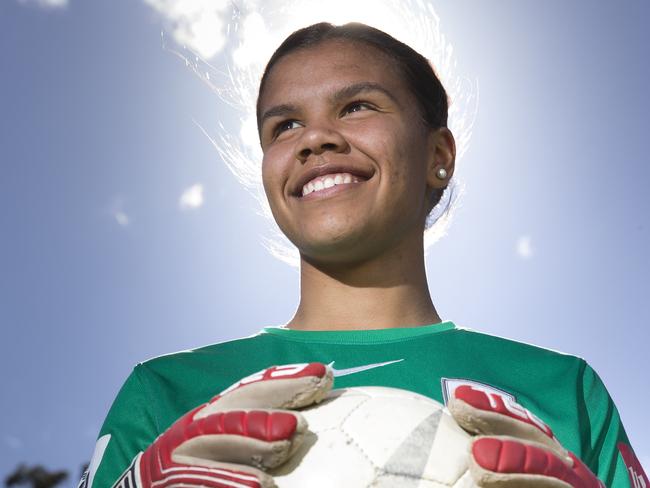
column 230, row 441
column 514, row 448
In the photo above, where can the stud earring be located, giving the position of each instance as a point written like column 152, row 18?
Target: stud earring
column 441, row 173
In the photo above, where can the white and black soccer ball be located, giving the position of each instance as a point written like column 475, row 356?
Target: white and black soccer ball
column 378, row 437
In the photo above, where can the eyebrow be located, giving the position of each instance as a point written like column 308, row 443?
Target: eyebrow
column 278, row 111
column 361, row 87
column 338, row 96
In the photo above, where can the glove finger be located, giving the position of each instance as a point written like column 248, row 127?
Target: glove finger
column 261, row 438
column 284, row 387
column 216, row 475
column 221, row 475
column 148, row 471
column 507, row 462
column 489, row 413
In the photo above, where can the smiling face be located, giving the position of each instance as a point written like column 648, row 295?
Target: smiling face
column 340, row 113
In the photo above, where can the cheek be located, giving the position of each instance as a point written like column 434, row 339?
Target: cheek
column 266, row 176
column 403, row 163
column 273, row 173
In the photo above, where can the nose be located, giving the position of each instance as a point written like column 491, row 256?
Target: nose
column 315, row 140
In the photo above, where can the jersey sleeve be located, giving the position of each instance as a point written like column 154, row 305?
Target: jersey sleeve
column 607, row 451
column 130, row 427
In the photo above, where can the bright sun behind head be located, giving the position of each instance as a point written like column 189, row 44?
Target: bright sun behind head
column 257, row 27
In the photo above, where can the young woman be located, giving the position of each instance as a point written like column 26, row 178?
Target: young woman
column 353, row 128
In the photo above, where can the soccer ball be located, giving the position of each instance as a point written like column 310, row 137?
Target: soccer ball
column 378, row 437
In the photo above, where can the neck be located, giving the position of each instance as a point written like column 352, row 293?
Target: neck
column 384, row 292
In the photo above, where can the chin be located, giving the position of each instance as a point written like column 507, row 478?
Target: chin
column 337, row 247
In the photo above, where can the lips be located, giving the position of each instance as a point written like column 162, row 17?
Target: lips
column 326, row 169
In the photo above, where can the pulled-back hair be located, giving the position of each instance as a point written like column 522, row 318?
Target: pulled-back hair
column 414, row 68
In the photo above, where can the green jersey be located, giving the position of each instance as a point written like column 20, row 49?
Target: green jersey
column 562, row 390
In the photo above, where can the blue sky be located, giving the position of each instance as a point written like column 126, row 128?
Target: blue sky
column 125, row 236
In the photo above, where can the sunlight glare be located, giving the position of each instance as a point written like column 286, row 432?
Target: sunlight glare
column 258, row 27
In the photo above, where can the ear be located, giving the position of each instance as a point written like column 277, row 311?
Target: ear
column 442, row 150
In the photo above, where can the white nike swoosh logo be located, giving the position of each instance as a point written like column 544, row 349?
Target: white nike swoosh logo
column 357, row 369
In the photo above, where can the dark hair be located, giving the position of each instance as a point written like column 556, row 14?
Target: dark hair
column 415, row 68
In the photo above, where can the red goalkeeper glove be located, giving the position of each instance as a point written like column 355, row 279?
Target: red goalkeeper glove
column 230, row 441
column 514, row 448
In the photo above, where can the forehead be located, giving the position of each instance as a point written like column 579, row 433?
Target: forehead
column 325, row 67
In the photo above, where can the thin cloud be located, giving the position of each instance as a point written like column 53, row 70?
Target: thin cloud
column 524, row 247
column 199, row 24
column 49, row 4
column 117, row 212
column 122, row 219
column 192, row 197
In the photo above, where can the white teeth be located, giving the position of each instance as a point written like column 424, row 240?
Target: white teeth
column 328, row 181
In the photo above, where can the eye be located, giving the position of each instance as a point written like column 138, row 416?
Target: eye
column 357, row 106
column 284, row 126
